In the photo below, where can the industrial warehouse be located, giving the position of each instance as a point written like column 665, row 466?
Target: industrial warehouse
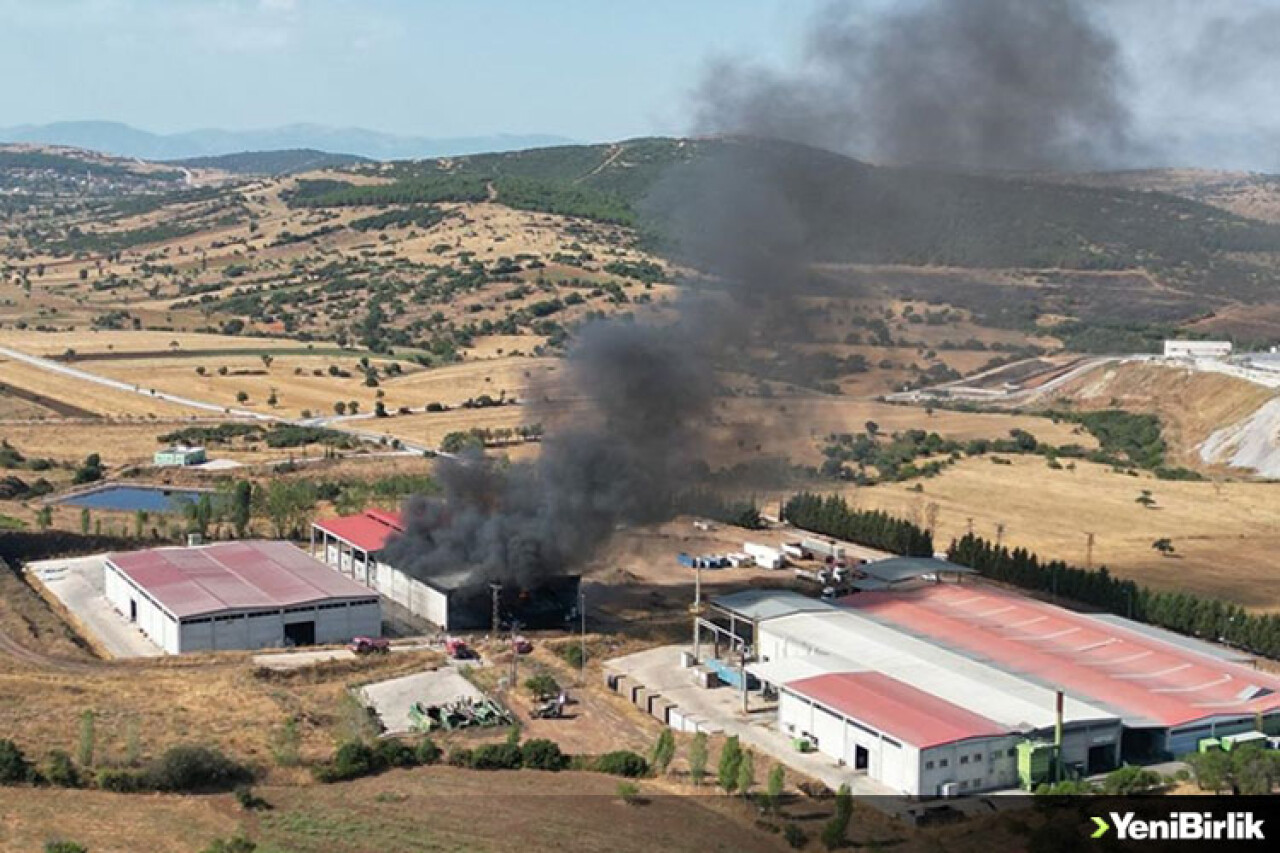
column 353, row 545
column 237, row 595
column 934, row 688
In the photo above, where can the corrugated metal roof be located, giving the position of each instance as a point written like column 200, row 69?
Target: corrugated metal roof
column 368, row 531
column 231, row 576
column 784, row 670
column 756, row 604
column 1016, row 703
column 1141, row 678
column 1189, row 643
column 897, row 709
column 897, row 569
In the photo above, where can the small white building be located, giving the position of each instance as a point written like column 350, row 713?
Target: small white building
column 1197, row 349
column 765, row 556
column 237, row 595
column 179, row 454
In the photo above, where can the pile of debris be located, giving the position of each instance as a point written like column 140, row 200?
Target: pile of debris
column 460, row 714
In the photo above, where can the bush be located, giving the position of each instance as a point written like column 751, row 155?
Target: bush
column 352, row 760
column 542, row 684
column 121, row 781
column 795, row 836
column 61, row 770
column 572, row 654
column 543, row 754
column 64, row 847
column 497, row 756
column 249, row 801
column 428, row 752
column 14, row 767
column 622, row 763
column 393, row 753
column 191, row 769
column 629, row 792
column 459, row 756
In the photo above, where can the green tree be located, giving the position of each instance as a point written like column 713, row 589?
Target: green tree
column 84, row 521
column 44, row 517
column 698, row 758
column 88, row 739
column 746, row 773
column 139, row 522
column 1164, row 545
column 774, row 786
column 242, row 397
column 241, row 506
column 340, row 408
column 663, row 751
column 730, row 759
column 288, row 503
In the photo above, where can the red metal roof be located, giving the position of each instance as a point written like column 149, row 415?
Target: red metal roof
column 897, row 709
column 234, row 576
column 368, row 531
column 1145, row 680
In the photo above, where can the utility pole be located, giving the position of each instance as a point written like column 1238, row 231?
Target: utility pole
column 582, row 612
column 495, row 590
column 1088, row 552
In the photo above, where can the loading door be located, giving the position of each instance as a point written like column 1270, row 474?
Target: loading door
column 300, row 634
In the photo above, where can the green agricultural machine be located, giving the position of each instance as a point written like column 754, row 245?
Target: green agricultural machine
column 460, row 714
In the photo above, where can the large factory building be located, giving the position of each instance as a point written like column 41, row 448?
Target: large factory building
column 354, row 545
column 237, row 595
column 933, row 688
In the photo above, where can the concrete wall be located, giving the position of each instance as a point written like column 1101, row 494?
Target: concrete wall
column 890, row 762
column 412, row 594
column 152, row 619
column 335, row 622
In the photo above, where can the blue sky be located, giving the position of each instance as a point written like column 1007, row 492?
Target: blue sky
column 583, row 69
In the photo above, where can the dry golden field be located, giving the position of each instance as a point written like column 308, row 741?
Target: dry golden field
column 1226, row 534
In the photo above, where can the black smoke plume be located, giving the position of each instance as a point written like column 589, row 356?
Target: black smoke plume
column 975, row 82
column 986, row 84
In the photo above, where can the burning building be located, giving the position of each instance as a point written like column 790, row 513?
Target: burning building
column 461, row 599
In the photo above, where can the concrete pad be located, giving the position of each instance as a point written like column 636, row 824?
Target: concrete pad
column 392, row 699
column 283, row 662
column 660, row 672
column 77, row 582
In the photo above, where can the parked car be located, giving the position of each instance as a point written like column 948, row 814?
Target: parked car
column 369, row 645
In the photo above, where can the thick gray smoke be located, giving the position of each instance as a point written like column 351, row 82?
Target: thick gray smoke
column 977, row 82
column 987, row 84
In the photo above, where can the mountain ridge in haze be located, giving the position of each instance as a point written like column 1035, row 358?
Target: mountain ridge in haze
column 126, row 141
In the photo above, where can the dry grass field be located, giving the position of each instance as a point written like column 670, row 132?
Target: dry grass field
column 1226, row 534
column 89, row 396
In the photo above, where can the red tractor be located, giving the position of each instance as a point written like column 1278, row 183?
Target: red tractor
column 369, row 645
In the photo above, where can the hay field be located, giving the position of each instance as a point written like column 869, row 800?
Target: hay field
column 90, row 396
column 117, row 443
column 1226, row 535
column 94, row 341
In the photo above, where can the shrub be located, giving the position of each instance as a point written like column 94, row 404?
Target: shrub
column 497, row 756
column 393, row 753
column 249, row 801
column 428, row 752
column 61, row 770
column 64, row 847
column 14, row 767
column 795, row 836
column 543, row 754
column 189, row 769
column 121, row 781
column 572, row 654
column 542, row 684
column 622, row 762
column 459, row 756
column 352, row 760
column 629, row 792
